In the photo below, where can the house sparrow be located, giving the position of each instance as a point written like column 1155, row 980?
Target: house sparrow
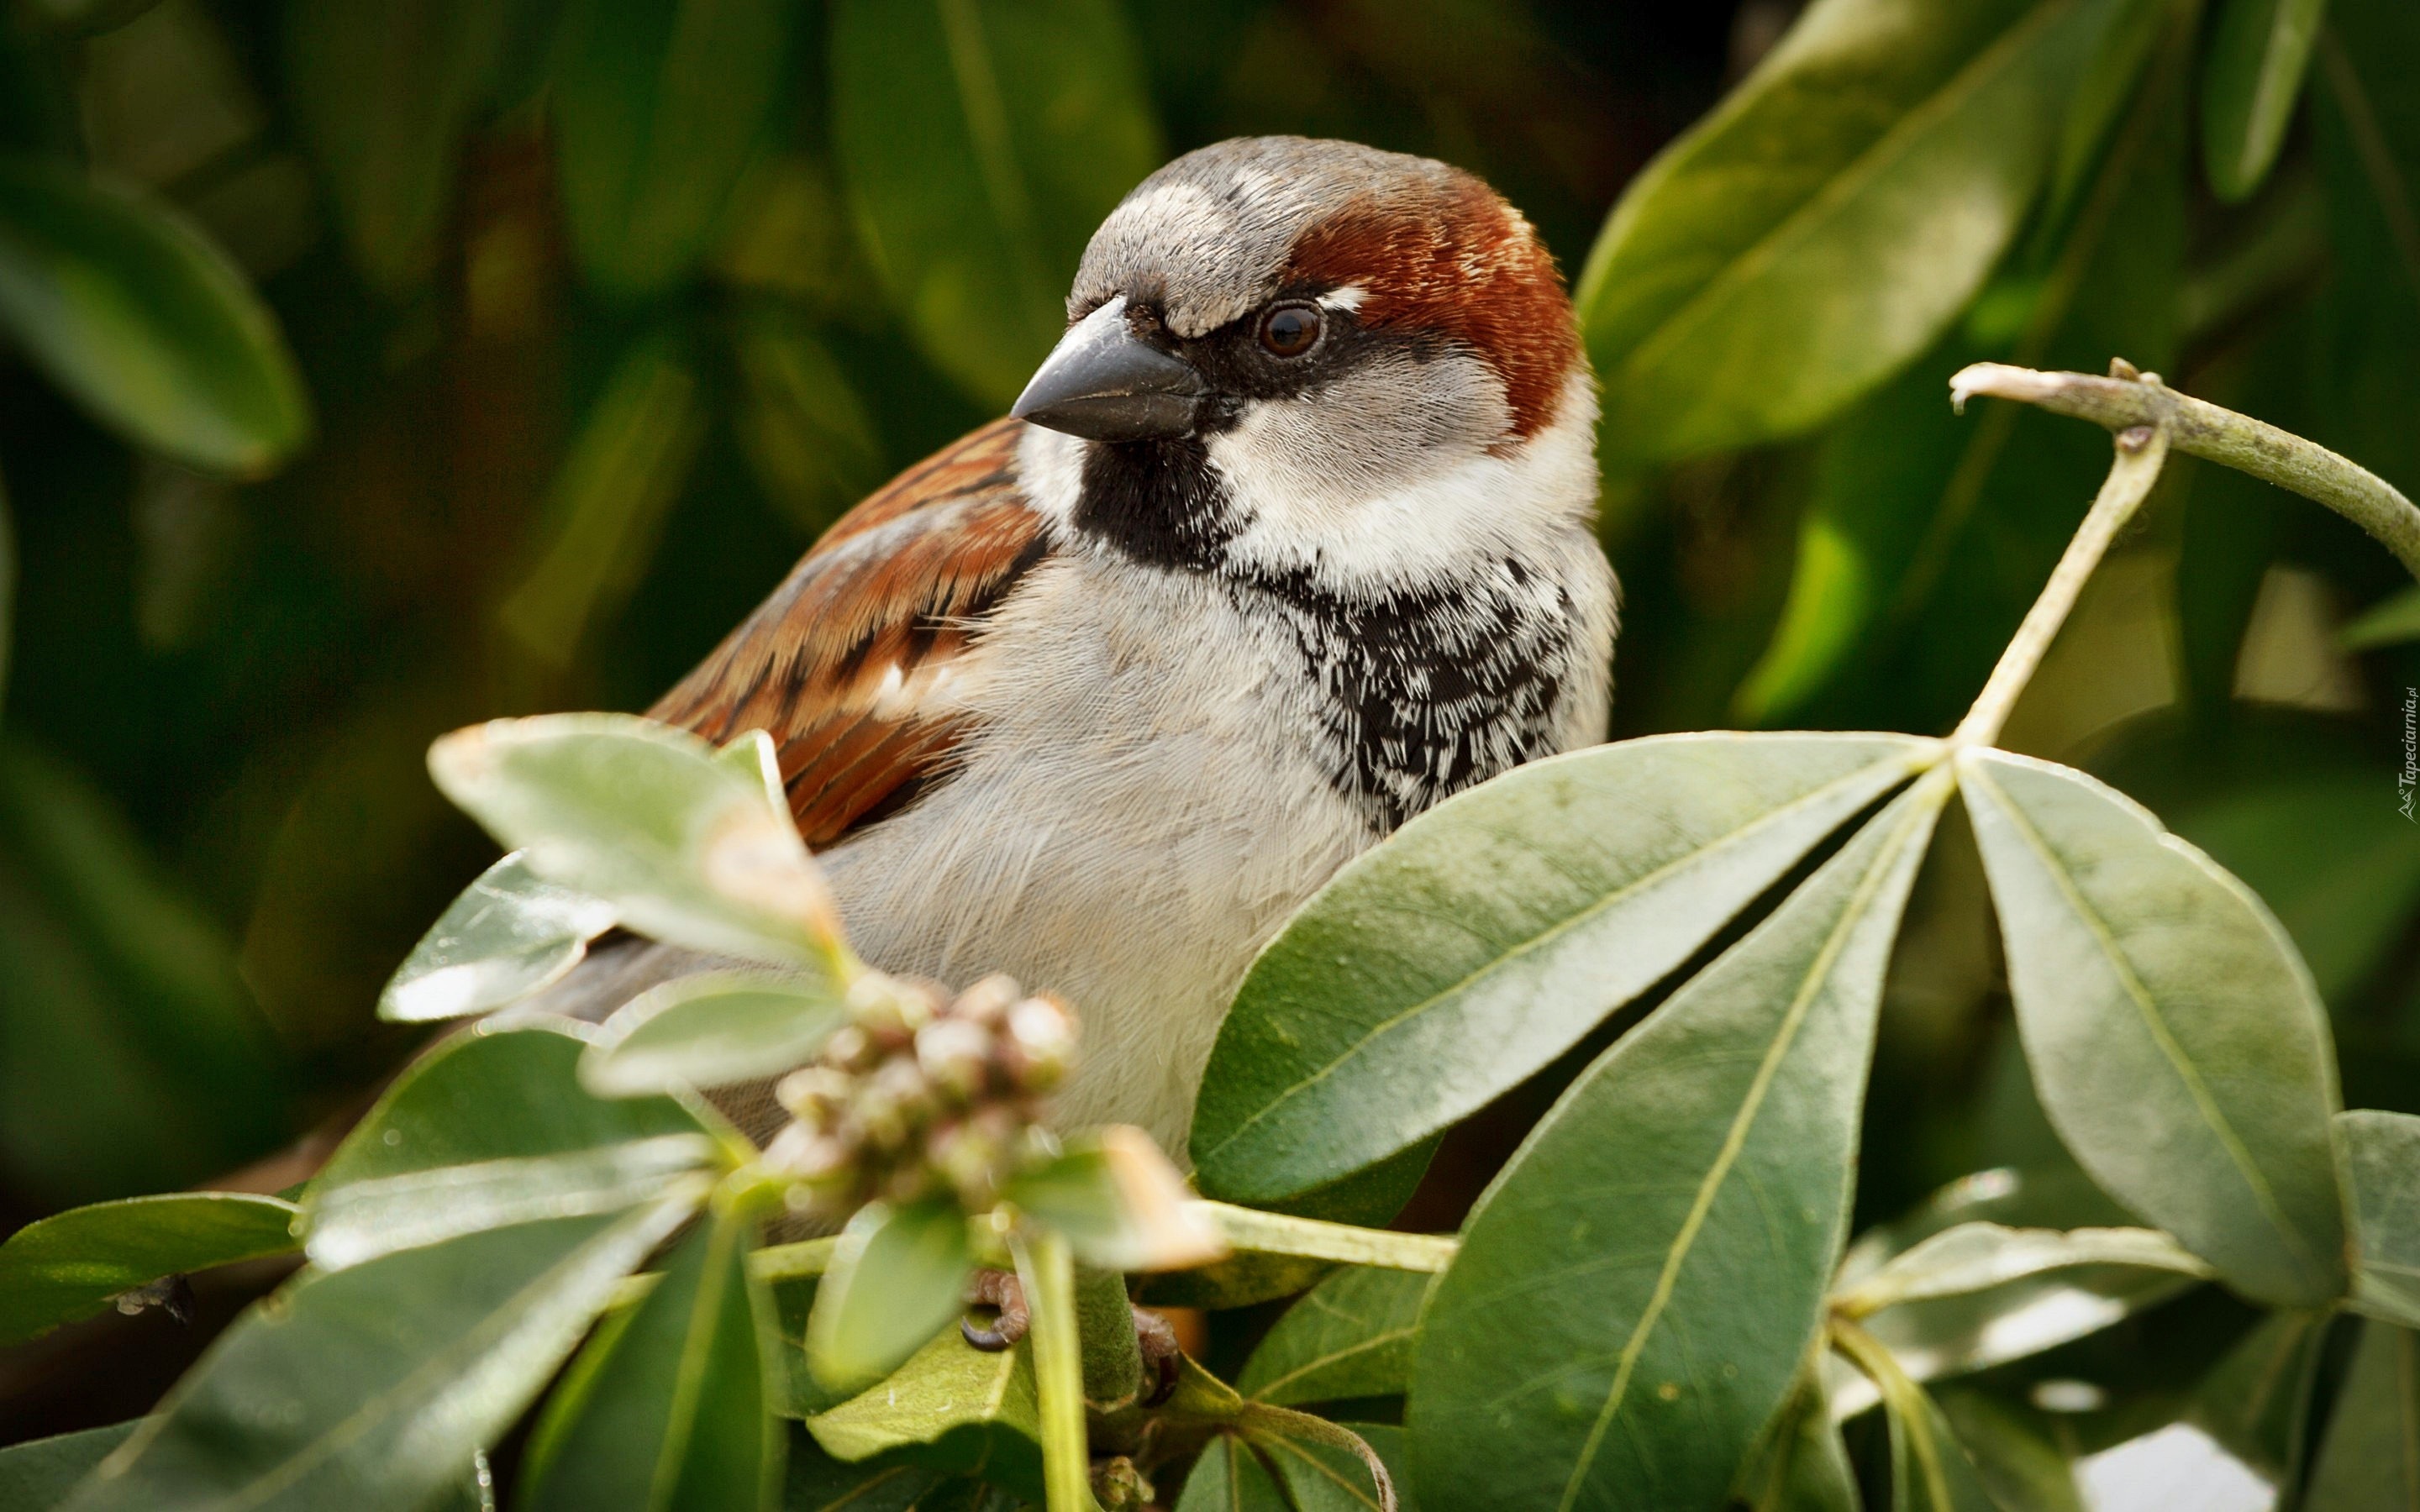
column 1290, row 538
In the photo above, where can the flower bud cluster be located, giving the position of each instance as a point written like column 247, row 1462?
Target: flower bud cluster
column 918, row 1097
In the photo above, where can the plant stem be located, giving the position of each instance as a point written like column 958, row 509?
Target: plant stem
column 1048, row 1270
column 2202, row 429
column 783, row 1262
column 1274, row 1233
column 2141, row 449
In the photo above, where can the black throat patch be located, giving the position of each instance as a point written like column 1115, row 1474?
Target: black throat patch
column 1422, row 693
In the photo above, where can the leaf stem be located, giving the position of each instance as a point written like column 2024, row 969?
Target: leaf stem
column 2141, row 449
column 1274, row 1233
column 2128, row 399
column 1047, row 1268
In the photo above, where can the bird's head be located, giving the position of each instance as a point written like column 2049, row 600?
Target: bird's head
column 1287, row 355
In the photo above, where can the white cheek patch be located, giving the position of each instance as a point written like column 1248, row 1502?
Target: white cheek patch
column 1051, row 468
column 1378, row 487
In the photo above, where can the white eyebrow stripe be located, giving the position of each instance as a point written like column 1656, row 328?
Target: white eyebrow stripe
column 1347, row 299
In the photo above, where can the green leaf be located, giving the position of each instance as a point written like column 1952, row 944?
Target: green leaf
column 711, row 1029
column 606, row 507
column 1229, row 1477
column 658, row 106
column 897, row 1279
column 37, row 1476
column 384, row 94
column 1350, row 1337
column 1802, row 1466
column 1931, row 1470
column 2390, row 621
column 2175, row 1038
column 686, row 848
column 491, row 1128
column 2255, row 1403
column 1636, row 1292
column 130, row 310
column 508, row 934
column 1981, row 1255
column 671, row 1414
column 1326, row 1478
column 71, row 1264
column 2382, row 1153
column 2017, row 1452
column 2253, row 75
column 952, row 1407
column 2371, row 1460
column 1826, row 221
column 816, row 1481
column 369, row 1386
column 1444, row 967
column 132, row 1056
column 981, row 143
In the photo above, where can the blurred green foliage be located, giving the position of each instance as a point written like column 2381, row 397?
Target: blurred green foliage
column 375, row 368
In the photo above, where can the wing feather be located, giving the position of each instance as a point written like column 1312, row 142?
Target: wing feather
column 841, row 663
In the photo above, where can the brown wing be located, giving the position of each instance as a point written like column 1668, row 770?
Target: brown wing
column 836, row 665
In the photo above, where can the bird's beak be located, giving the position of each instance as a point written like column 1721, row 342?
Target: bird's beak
column 1101, row 383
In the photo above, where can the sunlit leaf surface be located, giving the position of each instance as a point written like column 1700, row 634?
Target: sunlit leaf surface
column 1597, row 1342
column 2174, row 1035
column 369, row 1387
column 897, row 1279
column 1823, row 224
column 1489, row 935
column 711, row 1029
column 71, row 1264
column 511, row 933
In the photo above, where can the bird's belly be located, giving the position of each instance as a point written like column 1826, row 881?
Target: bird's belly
column 1136, row 815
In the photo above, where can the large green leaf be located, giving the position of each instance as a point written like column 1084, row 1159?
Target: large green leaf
column 896, row 1280
column 658, row 106
column 490, row 1128
column 2174, row 1035
column 1927, row 535
column 384, row 92
column 2371, row 1459
column 509, row 933
column 686, row 848
column 38, row 1476
column 1489, row 935
column 132, row 1057
column 668, row 1412
column 149, row 326
column 816, row 1482
column 711, row 1029
column 370, row 1387
column 1351, row 1335
column 1638, row 1289
column 1822, row 225
column 952, row 1407
column 2251, row 79
column 69, row 1265
column 2382, row 1157
column 1231, row 1477
column 982, row 141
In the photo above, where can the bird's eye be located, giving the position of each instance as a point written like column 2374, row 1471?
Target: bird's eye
column 1290, row 330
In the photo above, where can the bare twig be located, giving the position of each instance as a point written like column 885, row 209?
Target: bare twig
column 2128, row 399
column 2141, row 449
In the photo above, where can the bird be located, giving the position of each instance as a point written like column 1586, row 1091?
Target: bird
column 1291, row 537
